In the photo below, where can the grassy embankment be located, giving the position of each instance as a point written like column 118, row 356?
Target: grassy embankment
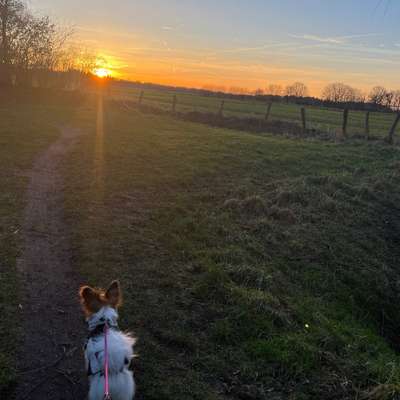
column 254, row 267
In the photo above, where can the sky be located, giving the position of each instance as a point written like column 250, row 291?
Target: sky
column 240, row 43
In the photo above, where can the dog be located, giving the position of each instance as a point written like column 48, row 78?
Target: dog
column 101, row 308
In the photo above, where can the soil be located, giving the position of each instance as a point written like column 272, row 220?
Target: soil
column 50, row 359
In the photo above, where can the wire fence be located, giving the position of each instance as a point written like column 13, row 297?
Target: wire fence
column 327, row 121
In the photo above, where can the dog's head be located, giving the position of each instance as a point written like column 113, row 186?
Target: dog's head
column 93, row 299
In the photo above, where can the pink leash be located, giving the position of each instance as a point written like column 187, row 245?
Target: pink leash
column 107, row 395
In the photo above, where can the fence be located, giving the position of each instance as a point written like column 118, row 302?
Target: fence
column 338, row 124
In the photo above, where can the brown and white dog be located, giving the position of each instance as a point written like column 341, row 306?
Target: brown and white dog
column 101, row 307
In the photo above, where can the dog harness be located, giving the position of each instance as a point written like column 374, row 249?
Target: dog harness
column 94, row 346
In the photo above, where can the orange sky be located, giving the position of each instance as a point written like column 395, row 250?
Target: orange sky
column 130, row 58
column 231, row 44
column 198, row 68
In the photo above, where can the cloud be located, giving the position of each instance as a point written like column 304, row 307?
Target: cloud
column 256, row 49
column 290, row 46
column 361, row 35
column 315, row 38
column 172, row 27
column 332, row 40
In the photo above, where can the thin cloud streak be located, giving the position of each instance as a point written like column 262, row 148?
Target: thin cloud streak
column 333, row 40
column 315, row 38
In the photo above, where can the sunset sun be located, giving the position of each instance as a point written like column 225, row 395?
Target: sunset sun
column 102, row 72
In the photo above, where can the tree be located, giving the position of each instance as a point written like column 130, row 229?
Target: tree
column 360, row 96
column 9, row 20
column 396, row 100
column 389, row 98
column 238, row 90
column 274, row 90
column 28, row 43
column 378, row 95
column 341, row 93
column 298, row 89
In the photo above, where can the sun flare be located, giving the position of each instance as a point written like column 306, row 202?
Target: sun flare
column 102, row 72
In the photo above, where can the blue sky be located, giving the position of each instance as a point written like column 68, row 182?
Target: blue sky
column 241, row 43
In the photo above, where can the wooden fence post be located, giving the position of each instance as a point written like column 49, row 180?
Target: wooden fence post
column 393, row 129
column 367, row 125
column 141, row 97
column 221, row 109
column 303, row 119
column 174, row 100
column 267, row 114
column 345, row 119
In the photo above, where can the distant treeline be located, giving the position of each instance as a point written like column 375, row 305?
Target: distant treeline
column 361, row 105
column 317, row 102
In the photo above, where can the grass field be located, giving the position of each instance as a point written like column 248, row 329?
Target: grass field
column 25, row 130
column 322, row 119
column 254, row 267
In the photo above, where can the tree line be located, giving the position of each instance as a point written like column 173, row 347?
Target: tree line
column 34, row 51
column 336, row 94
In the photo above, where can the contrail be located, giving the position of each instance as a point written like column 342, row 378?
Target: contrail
column 388, row 2
column 377, row 6
column 387, row 7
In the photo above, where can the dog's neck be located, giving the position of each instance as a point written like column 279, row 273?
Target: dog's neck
column 105, row 315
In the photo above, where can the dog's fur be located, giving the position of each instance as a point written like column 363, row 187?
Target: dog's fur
column 101, row 306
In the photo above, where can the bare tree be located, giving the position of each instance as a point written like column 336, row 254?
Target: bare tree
column 274, row 90
column 238, row 90
column 378, row 95
column 77, row 65
column 28, row 43
column 341, row 93
column 396, row 100
column 360, row 96
column 298, row 89
column 10, row 11
column 389, row 98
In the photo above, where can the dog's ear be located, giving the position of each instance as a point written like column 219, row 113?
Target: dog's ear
column 113, row 294
column 90, row 299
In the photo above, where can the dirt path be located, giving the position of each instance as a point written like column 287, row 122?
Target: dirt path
column 50, row 360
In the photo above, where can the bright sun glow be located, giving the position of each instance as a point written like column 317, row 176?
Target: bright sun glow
column 102, row 72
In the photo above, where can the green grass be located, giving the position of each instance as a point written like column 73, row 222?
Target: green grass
column 253, row 266
column 326, row 120
column 25, row 130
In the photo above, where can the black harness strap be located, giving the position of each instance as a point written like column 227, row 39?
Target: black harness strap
column 96, row 331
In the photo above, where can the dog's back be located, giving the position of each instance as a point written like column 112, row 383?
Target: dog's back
column 122, row 386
